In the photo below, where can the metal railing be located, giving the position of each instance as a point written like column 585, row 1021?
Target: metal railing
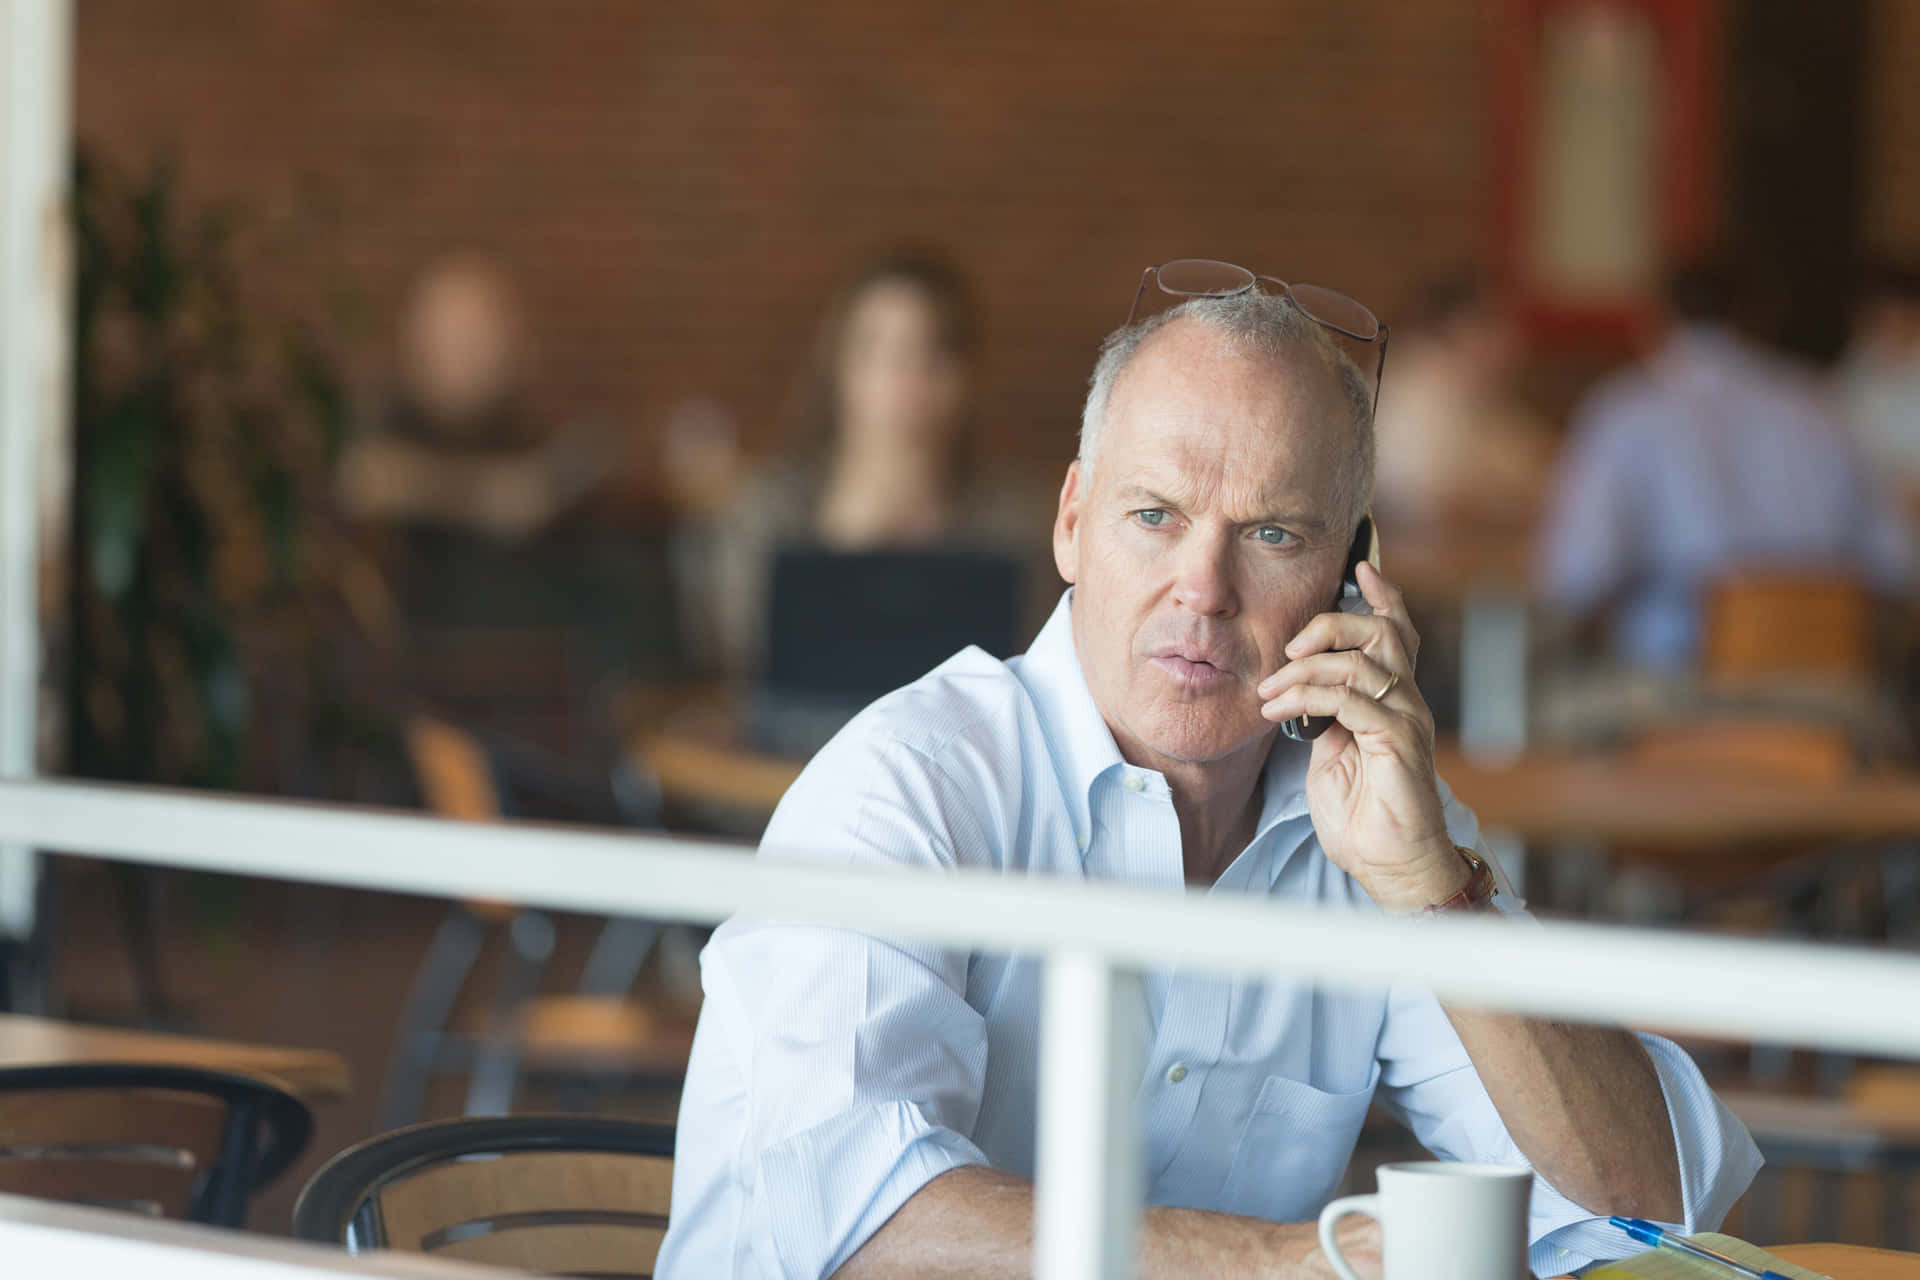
column 1097, row 938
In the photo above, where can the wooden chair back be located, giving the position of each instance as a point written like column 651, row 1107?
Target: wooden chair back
column 559, row 1195
column 555, row 1212
column 1768, row 623
column 455, row 776
column 171, row 1142
column 140, row 1149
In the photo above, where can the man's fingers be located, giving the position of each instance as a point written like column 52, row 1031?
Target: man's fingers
column 1388, row 639
column 1350, row 668
column 1357, row 711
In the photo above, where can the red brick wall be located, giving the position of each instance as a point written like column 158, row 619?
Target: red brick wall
column 676, row 186
column 1893, row 130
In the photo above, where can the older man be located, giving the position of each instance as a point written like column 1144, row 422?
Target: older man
column 858, row 1106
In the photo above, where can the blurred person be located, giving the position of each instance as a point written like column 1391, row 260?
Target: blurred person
column 1457, row 446
column 453, row 444
column 1711, row 455
column 471, row 498
column 883, row 451
column 857, row 1106
column 1880, row 378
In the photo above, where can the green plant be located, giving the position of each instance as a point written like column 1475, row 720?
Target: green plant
column 215, row 636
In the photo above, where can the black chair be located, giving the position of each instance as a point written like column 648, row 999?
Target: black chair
column 463, row 775
column 163, row 1140
column 560, row 1195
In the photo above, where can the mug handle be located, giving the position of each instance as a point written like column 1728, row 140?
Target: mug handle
column 1330, row 1218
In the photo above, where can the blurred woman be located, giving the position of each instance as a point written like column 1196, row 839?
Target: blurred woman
column 881, row 452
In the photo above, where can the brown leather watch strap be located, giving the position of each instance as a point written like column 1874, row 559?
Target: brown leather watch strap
column 1477, row 893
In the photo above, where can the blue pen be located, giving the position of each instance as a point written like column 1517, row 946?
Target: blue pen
column 1647, row 1233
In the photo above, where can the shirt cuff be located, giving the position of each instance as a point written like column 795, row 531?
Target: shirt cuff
column 1717, row 1162
column 820, row 1194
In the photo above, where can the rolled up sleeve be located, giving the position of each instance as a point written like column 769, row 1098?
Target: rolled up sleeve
column 1428, row 1083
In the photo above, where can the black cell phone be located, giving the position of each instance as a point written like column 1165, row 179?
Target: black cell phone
column 1366, row 546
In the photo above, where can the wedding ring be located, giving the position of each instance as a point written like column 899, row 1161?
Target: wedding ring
column 1393, row 678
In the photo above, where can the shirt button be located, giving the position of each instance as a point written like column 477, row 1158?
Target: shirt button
column 1176, row 1073
column 1135, row 782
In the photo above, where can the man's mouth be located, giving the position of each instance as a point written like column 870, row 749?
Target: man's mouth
column 1191, row 670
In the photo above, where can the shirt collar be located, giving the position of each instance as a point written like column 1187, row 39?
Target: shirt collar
column 1083, row 747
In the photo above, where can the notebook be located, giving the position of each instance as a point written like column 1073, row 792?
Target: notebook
column 1666, row 1264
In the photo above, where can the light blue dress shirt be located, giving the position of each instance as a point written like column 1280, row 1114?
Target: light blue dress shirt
column 1711, row 457
column 834, row 1074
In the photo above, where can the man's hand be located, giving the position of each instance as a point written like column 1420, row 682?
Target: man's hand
column 1371, row 786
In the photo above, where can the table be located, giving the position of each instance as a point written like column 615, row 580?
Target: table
column 1851, row 1262
column 699, row 770
column 310, row 1074
column 1607, row 798
column 1538, row 797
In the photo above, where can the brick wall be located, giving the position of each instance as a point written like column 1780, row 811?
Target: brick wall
column 1892, row 213
column 677, row 186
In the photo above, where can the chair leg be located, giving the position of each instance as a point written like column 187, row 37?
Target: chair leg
column 617, row 956
column 423, row 1021
column 496, row 1068
column 224, row 1200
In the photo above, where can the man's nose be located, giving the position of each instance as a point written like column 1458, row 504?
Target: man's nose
column 1203, row 581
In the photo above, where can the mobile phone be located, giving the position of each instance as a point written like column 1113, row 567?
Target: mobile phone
column 1366, row 546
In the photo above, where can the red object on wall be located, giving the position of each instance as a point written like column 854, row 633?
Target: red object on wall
column 1688, row 35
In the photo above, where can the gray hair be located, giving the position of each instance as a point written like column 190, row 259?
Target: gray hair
column 1251, row 323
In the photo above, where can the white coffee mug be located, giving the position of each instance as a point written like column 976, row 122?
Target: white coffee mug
column 1442, row 1221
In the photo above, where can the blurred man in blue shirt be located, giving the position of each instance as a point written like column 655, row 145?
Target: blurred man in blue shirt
column 1711, row 456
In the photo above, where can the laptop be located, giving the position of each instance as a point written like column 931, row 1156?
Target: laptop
column 844, row 628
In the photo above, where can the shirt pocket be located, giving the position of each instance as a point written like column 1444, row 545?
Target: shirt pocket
column 1294, row 1148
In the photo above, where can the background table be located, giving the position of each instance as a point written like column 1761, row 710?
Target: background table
column 1851, row 1262
column 311, row 1074
column 1539, row 797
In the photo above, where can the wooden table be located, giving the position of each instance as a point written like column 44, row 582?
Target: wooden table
column 1542, row 797
column 1851, row 1262
column 311, row 1074
column 1538, row 797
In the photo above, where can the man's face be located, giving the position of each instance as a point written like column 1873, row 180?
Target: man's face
column 1200, row 539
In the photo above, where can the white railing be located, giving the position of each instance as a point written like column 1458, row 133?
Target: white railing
column 1096, row 935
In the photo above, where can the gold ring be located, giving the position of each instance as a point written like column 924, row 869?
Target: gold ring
column 1393, row 678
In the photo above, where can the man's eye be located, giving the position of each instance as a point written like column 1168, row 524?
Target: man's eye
column 1273, row 535
column 1153, row 516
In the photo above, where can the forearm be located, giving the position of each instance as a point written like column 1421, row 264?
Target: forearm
column 977, row 1223
column 1585, row 1106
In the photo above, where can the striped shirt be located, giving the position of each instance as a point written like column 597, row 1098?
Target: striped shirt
column 834, row 1074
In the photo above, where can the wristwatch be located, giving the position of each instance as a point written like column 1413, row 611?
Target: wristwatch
column 1476, row 893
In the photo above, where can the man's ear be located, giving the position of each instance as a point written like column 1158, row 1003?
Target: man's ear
column 1066, row 525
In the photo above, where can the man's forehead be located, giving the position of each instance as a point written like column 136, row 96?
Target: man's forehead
column 1190, row 357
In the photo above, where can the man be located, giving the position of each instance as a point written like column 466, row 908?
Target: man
column 1712, row 456
column 863, row 1107
column 1879, row 378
